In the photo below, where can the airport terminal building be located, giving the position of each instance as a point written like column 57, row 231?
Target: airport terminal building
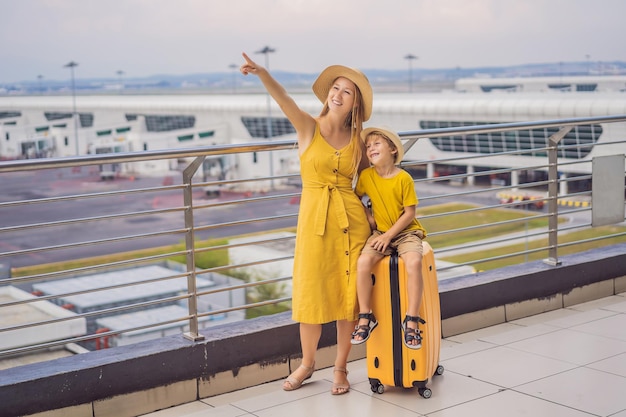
column 46, row 126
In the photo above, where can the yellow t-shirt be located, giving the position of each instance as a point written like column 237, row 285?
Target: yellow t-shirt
column 389, row 197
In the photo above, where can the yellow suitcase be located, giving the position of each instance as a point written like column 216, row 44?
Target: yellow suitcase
column 389, row 361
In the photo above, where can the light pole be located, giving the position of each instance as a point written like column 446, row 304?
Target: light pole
column 39, row 77
column 410, row 58
column 267, row 51
column 120, row 73
column 234, row 67
column 71, row 65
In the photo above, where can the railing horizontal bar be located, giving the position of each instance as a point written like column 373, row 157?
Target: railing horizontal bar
column 486, row 190
column 246, row 243
column 441, row 251
column 137, row 328
column 252, row 263
column 247, row 200
column 245, row 306
column 102, row 194
column 485, row 208
column 91, row 268
column 30, row 164
column 243, row 180
column 242, row 222
column 571, row 209
column 93, row 242
column 99, row 312
column 482, row 226
column 591, row 239
column 496, row 258
column 149, row 155
column 93, row 219
column 471, row 192
column 250, row 284
column 93, row 290
column 41, row 346
column 220, row 268
column 474, row 156
column 574, row 227
column 507, row 127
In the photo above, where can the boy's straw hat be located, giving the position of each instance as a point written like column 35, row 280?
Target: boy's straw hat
column 393, row 136
column 322, row 85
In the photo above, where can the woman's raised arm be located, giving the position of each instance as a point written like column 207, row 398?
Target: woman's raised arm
column 303, row 122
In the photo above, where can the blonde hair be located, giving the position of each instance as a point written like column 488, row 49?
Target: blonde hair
column 353, row 121
column 390, row 142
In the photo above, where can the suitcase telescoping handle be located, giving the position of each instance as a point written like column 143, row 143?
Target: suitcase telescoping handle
column 396, row 319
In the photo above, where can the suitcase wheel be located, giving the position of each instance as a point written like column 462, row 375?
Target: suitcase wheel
column 439, row 370
column 377, row 387
column 425, row 392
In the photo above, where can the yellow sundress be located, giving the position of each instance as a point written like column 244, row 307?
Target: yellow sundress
column 332, row 229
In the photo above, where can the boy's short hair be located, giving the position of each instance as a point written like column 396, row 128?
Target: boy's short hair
column 387, row 134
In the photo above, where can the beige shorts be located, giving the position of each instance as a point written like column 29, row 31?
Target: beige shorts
column 410, row 241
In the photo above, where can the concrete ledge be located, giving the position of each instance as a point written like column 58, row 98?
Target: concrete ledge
column 246, row 350
column 103, row 374
column 530, row 281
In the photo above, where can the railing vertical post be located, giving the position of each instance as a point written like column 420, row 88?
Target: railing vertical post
column 553, row 194
column 190, row 247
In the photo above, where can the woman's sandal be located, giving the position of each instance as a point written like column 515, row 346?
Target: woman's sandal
column 364, row 330
column 292, row 383
column 411, row 334
column 339, row 389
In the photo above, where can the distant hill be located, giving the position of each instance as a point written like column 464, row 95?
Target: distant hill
column 230, row 82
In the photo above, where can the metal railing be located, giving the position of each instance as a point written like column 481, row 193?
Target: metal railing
column 53, row 232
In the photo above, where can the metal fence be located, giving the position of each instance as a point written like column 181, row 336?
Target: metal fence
column 100, row 250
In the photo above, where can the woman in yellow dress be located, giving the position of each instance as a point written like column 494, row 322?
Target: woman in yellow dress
column 332, row 226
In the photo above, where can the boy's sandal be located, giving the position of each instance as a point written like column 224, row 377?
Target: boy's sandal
column 364, row 330
column 337, row 388
column 411, row 334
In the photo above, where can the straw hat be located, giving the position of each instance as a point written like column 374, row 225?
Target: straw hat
column 324, row 82
column 393, row 136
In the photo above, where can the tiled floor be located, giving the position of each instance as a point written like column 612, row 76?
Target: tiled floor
column 568, row 362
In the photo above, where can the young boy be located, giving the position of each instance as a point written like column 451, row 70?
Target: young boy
column 391, row 191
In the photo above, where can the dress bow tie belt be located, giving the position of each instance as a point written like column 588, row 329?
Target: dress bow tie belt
column 323, row 207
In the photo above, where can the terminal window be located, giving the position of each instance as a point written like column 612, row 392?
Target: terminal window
column 575, row 145
column 258, row 126
column 166, row 123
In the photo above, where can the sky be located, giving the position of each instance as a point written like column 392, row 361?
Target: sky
column 151, row 37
